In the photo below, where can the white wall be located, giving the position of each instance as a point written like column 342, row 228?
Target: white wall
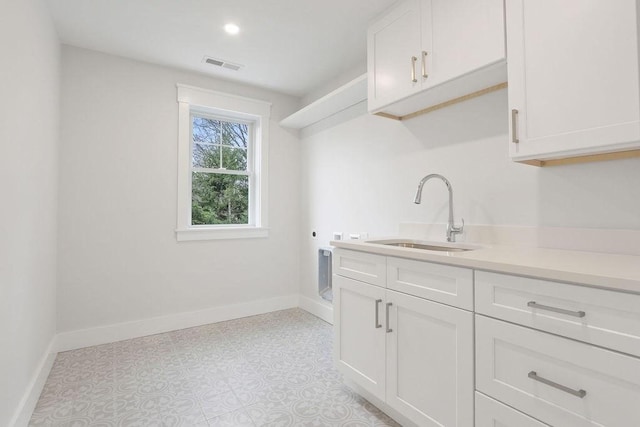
column 342, row 77
column 361, row 175
column 119, row 259
column 29, row 84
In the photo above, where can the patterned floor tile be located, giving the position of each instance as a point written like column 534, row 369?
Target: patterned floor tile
column 239, row 418
column 214, row 405
column 272, row 370
column 271, row 414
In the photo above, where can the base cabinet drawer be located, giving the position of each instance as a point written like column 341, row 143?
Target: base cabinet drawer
column 368, row 268
column 491, row 413
column 436, row 282
column 597, row 316
column 561, row 382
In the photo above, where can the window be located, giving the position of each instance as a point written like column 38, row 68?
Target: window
column 222, row 164
column 220, row 177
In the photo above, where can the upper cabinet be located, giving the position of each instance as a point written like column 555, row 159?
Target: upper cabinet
column 423, row 53
column 394, row 51
column 573, row 78
column 466, row 35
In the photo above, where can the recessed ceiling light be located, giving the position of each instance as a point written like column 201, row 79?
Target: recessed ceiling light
column 232, row 28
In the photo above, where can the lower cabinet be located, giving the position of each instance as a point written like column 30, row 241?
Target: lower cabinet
column 359, row 336
column 412, row 353
column 542, row 353
column 561, row 382
column 429, row 361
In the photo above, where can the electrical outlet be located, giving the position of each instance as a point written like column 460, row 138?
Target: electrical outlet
column 337, row 235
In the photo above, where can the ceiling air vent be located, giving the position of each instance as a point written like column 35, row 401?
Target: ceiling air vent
column 221, row 63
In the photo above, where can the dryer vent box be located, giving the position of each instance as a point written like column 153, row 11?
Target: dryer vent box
column 324, row 273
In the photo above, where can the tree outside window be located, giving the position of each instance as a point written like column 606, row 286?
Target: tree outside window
column 220, row 175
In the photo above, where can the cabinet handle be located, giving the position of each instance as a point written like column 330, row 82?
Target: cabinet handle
column 514, row 126
column 413, row 69
column 424, row 65
column 579, row 393
column 387, row 316
column 556, row 310
column 378, row 325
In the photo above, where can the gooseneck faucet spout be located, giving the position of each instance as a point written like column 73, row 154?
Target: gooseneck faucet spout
column 452, row 230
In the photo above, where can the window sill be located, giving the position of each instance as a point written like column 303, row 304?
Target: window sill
column 189, row 234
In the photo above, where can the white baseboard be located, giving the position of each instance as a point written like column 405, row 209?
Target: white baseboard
column 156, row 325
column 30, row 398
column 322, row 310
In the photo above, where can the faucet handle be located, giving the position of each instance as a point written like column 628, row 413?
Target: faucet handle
column 458, row 230
column 452, row 230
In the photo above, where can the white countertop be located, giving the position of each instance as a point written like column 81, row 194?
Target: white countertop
column 603, row 270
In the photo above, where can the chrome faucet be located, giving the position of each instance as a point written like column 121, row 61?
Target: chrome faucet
column 452, row 230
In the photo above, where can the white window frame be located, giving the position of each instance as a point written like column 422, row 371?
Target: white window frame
column 225, row 107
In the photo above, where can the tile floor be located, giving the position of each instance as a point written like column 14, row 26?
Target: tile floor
column 268, row 370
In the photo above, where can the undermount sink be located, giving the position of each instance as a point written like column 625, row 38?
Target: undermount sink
column 427, row 246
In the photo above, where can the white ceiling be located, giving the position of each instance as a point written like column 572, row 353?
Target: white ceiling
column 291, row 46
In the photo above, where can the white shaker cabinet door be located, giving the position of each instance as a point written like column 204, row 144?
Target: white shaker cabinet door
column 573, row 77
column 466, row 35
column 430, row 361
column 360, row 333
column 393, row 55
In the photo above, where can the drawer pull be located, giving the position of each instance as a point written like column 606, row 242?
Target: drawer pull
column 387, row 317
column 378, row 325
column 579, row 393
column 424, row 65
column 556, row 310
column 413, row 70
column 514, row 127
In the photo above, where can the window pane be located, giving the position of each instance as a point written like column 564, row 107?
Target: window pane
column 219, row 144
column 206, row 130
column 219, row 199
column 234, row 134
column 234, row 158
column 206, row 156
